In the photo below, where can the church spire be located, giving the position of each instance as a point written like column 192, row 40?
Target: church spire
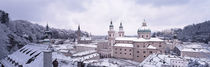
column 111, row 25
column 78, row 27
column 47, row 27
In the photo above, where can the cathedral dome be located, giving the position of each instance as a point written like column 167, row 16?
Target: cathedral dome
column 144, row 28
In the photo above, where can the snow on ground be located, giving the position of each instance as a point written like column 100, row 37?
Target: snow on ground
column 86, row 57
column 63, row 46
column 111, row 62
column 84, row 53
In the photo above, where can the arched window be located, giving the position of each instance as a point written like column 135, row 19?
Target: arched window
column 144, row 51
column 137, row 51
column 137, row 45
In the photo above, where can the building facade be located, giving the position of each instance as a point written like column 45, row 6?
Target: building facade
column 133, row 48
column 196, row 50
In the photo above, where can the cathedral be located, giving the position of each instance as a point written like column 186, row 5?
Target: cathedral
column 133, row 48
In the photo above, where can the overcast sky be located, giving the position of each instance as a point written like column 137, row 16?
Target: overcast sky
column 95, row 15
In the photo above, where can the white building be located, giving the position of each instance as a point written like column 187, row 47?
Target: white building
column 157, row 60
column 197, row 50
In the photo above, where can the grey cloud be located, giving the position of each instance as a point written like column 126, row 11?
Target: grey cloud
column 158, row 3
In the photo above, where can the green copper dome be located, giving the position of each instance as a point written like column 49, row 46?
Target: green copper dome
column 146, row 30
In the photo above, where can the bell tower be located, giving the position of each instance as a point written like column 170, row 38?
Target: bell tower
column 121, row 32
column 111, row 34
column 111, row 37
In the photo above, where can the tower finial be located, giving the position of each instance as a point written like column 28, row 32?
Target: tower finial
column 144, row 23
column 121, row 25
column 111, row 22
column 47, row 27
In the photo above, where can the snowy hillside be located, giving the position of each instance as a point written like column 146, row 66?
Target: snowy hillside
column 16, row 33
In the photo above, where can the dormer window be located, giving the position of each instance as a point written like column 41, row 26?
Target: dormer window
column 25, row 50
column 22, row 49
column 32, row 53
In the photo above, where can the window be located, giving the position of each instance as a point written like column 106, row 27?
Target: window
column 28, row 51
column 120, row 49
column 137, row 45
column 120, row 53
column 137, row 56
column 125, row 49
column 130, row 53
column 143, row 45
column 144, row 51
column 142, row 36
column 160, row 46
column 115, row 52
column 125, row 53
column 150, row 51
column 144, row 56
column 130, row 49
column 137, row 51
column 115, row 48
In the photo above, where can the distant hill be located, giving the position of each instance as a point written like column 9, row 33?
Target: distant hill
column 192, row 33
column 197, row 32
column 17, row 33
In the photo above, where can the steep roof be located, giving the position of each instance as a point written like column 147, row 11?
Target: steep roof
column 30, row 55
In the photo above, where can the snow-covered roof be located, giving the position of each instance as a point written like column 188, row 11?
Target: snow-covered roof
column 86, row 38
column 151, row 47
column 156, row 60
column 147, row 40
column 193, row 47
column 126, row 38
column 24, row 55
column 84, row 53
column 87, row 45
column 138, row 39
column 123, row 45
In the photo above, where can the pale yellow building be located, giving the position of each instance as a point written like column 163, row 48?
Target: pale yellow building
column 134, row 48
